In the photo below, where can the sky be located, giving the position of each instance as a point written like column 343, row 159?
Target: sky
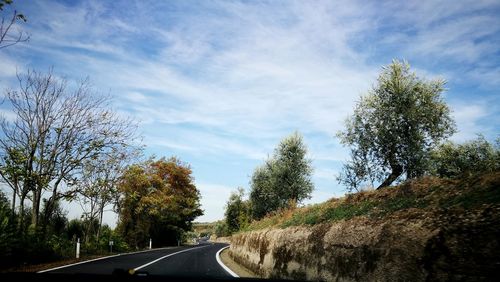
column 219, row 83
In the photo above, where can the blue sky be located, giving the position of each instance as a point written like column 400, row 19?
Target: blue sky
column 219, row 83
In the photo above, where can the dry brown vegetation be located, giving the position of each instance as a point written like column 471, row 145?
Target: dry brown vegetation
column 424, row 194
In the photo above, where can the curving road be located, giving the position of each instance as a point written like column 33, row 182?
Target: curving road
column 192, row 261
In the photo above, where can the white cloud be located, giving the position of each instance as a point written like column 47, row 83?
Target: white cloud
column 213, row 200
column 468, row 118
column 8, row 67
column 8, row 115
column 136, row 97
column 232, row 78
column 325, row 173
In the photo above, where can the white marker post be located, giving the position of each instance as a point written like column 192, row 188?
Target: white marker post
column 111, row 246
column 78, row 248
column 150, row 243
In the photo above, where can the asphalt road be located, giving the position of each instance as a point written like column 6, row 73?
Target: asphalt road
column 192, row 261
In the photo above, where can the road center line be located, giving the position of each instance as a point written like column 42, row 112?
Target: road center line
column 158, row 259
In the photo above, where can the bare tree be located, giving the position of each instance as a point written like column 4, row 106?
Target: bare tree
column 98, row 183
column 55, row 131
column 9, row 36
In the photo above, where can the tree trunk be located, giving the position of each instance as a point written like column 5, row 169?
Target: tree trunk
column 37, row 198
column 101, row 211
column 13, row 207
column 35, row 209
column 396, row 172
column 90, row 220
column 21, row 213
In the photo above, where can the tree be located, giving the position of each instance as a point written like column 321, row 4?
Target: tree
column 158, row 200
column 263, row 195
column 12, row 173
column 394, row 127
column 54, row 132
column 221, row 229
column 284, row 180
column 461, row 160
column 237, row 213
column 97, row 184
column 292, row 170
column 6, row 37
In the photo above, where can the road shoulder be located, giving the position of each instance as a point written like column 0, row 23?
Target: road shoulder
column 234, row 266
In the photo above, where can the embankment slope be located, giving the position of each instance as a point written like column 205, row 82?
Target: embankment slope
column 429, row 229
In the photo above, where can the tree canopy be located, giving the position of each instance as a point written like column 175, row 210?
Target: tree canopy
column 159, row 201
column 394, row 127
column 237, row 211
column 284, row 179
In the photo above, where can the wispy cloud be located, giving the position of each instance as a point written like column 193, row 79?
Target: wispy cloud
column 470, row 120
column 230, row 78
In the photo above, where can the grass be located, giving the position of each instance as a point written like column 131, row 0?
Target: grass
column 425, row 193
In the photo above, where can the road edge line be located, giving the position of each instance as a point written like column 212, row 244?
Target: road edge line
column 76, row 263
column 227, row 269
column 91, row 260
column 166, row 256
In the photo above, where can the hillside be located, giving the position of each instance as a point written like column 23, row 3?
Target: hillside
column 426, row 194
column 427, row 229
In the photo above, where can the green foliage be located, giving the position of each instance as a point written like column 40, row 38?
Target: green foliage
column 292, row 170
column 75, row 229
column 189, row 237
column 457, row 160
column 221, row 229
column 159, row 201
column 394, row 127
column 263, row 195
column 55, row 240
column 237, row 213
column 7, row 230
column 284, row 180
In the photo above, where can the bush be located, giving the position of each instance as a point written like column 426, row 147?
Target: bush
column 221, row 229
column 463, row 160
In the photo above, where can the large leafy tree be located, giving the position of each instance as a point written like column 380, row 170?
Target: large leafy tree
column 159, row 201
column 284, row 180
column 394, row 127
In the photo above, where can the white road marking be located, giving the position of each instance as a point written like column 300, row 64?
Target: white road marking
column 77, row 263
column 217, row 256
column 158, row 259
column 91, row 260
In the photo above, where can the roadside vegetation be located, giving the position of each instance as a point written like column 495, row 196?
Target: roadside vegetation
column 424, row 194
column 64, row 143
column 400, row 159
column 158, row 200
